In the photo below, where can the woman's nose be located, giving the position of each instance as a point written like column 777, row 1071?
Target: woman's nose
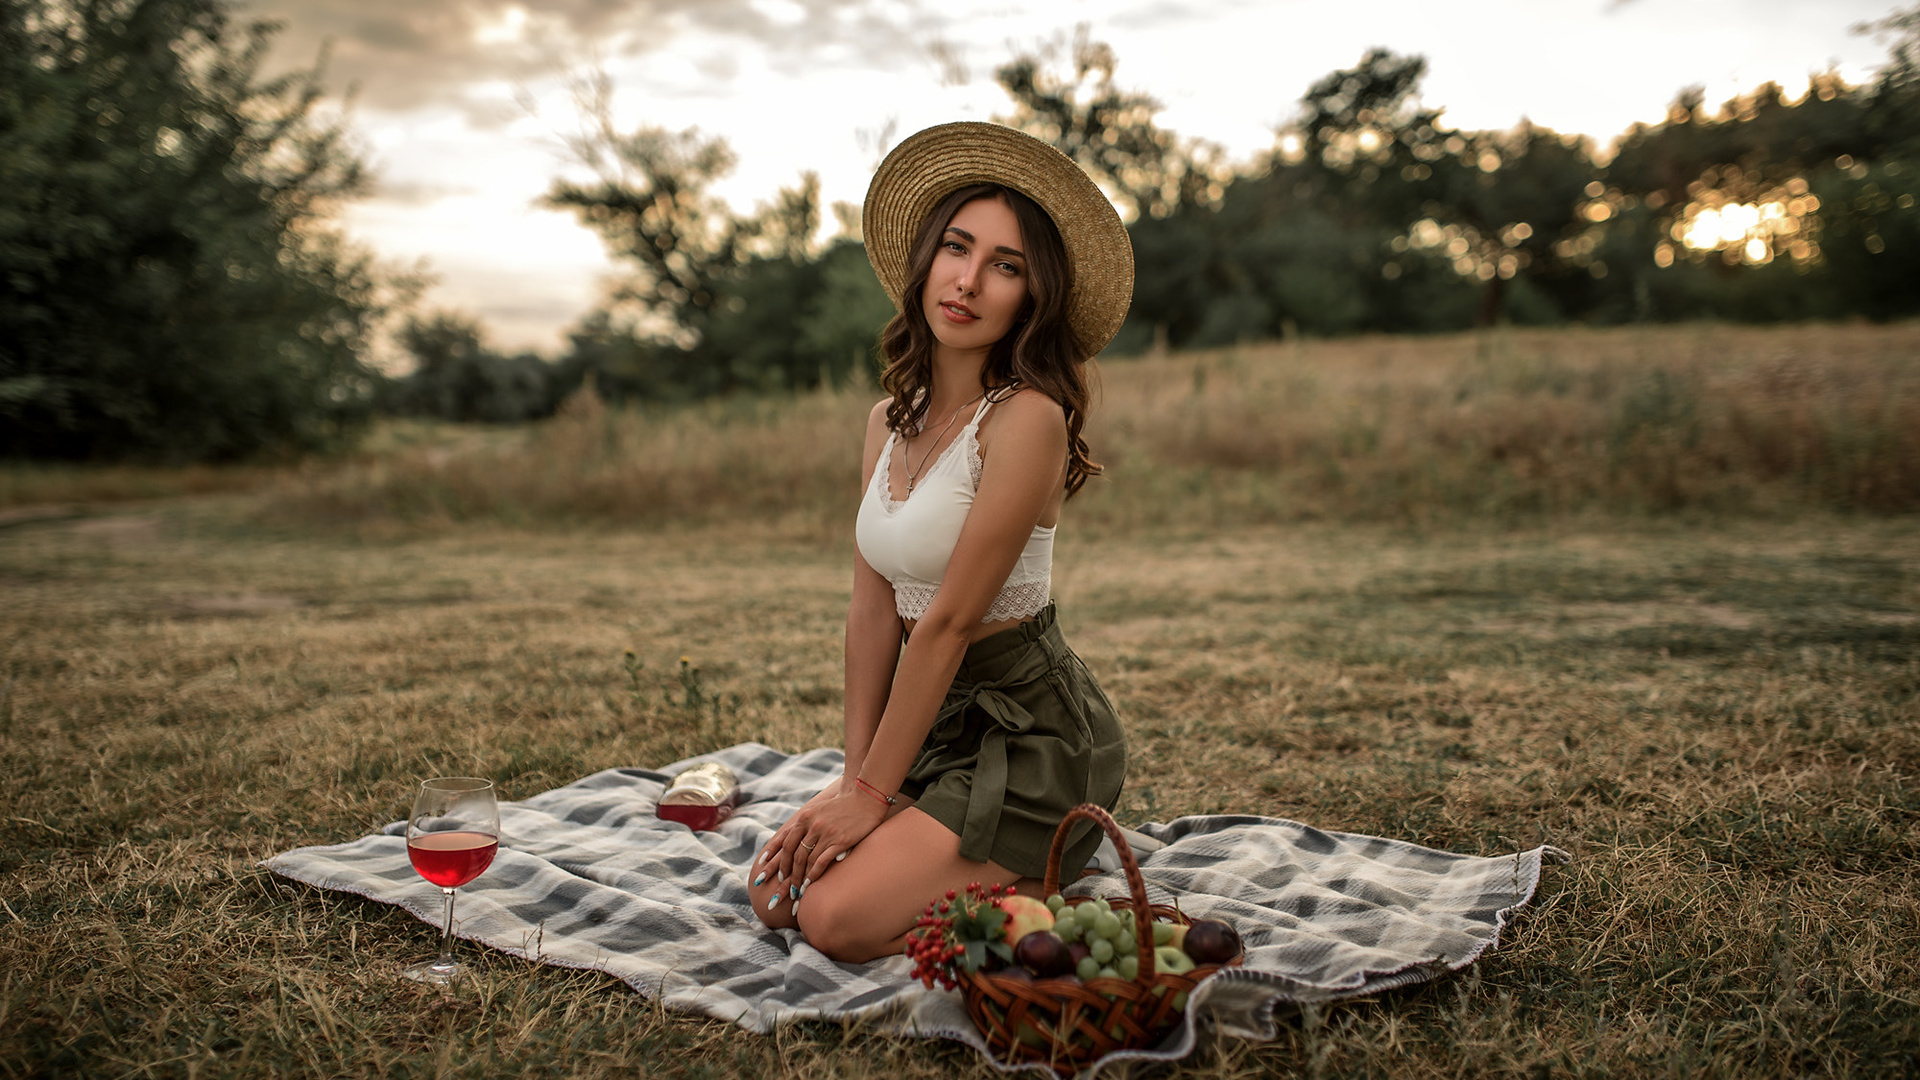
column 969, row 276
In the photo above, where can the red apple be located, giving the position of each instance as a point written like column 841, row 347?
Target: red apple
column 1024, row 916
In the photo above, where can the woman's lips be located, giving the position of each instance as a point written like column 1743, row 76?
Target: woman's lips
column 958, row 312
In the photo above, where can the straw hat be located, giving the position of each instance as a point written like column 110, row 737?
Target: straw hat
column 930, row 165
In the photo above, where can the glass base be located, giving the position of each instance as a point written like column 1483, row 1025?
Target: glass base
column 436, row 972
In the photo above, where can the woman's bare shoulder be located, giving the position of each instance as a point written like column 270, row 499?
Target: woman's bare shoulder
column 1028, row 409
column 1029, row 422
column 876, row 438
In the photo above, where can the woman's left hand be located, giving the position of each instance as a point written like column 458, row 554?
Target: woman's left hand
column 819, row 834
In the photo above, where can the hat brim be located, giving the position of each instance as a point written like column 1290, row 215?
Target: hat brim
column 932, row 164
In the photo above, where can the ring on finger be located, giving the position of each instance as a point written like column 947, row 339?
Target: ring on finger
column 806, row 845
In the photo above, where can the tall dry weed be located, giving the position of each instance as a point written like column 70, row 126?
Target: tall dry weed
column 1743, row 420
column 786, row 462
column 1722, row 419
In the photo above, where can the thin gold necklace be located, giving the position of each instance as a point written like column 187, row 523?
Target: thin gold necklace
column 914, row 473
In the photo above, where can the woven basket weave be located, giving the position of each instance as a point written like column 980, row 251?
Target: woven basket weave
column 1068, row 1023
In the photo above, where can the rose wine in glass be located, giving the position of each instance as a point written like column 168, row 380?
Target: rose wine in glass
column 452, row 836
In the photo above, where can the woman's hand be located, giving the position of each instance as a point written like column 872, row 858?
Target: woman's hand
column 819, row 834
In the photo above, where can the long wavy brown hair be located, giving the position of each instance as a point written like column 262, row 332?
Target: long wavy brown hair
column 1041, row 351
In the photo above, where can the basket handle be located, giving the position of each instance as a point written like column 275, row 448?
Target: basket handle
column 1137, row 885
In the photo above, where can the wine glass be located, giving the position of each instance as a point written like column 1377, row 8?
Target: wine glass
column 451, row 837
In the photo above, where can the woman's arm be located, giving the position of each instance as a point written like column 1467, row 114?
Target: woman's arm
column 873, row 630
column 872, row 653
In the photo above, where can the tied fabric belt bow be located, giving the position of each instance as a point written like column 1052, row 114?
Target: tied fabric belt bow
column 1034, row 664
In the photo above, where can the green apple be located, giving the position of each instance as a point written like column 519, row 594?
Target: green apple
column 1171, row 961
column 1176, row 936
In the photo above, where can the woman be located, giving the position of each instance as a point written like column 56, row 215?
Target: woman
column 967, row 744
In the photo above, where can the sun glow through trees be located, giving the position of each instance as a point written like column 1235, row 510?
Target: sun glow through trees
column 1776, row 222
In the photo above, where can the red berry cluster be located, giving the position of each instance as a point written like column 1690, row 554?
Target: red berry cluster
column 940, row 939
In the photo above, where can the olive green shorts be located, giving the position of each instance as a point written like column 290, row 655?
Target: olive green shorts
column 1024, row 736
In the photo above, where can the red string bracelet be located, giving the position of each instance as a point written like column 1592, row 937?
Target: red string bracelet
column 873, row 791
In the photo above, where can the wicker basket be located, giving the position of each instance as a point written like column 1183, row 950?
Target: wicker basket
column 1067, row 1023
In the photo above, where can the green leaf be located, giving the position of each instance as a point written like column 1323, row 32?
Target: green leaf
column 979, row 923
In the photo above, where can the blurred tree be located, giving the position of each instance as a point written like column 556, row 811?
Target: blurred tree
column 1492, row 205
column 1109, row 131
column 840, row 328
column 786, row 228
column 793, row 324
column 1368, row 114
column 651, row 203
column 1774, row 208
column 1315, row 239
column 1894, row 98
column 622, row 364
column 719, row 301
column 1373, row 214
column 1526, row 202
column 1757, row 140
column 167, row 286
column 457, row 377
column 1874, row 200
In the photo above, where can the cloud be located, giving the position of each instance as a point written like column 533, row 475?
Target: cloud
column 406, row 54
column 1177, row 12
column 414, row 193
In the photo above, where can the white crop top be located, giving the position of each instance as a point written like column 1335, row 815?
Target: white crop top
column 910, row 542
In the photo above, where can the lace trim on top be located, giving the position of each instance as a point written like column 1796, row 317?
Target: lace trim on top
column 911, row 600
column 1020, row 601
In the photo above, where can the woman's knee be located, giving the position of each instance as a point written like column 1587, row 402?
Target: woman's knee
column 773, row 903
column 841, row 923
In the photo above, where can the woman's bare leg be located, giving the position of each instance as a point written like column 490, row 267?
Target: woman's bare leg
column 864, row 907
column 773, row 896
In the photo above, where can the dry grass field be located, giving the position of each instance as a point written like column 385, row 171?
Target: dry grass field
column 1752, row 421
column 1712, row 701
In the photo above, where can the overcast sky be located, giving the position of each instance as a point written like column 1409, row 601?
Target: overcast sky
column 442, row 86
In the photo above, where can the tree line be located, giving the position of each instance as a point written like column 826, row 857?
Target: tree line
column 171, row 287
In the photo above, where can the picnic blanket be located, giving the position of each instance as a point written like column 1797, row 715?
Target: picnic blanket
column 588, row 877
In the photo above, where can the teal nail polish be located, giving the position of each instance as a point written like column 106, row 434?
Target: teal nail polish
column 774, row 902
column 761, row 880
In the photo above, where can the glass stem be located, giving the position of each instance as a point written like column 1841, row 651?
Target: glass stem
column 446, row 936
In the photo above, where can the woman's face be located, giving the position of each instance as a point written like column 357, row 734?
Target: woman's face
column 977, row 286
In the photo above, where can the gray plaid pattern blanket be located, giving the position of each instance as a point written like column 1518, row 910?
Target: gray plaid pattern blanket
column 588, row 877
